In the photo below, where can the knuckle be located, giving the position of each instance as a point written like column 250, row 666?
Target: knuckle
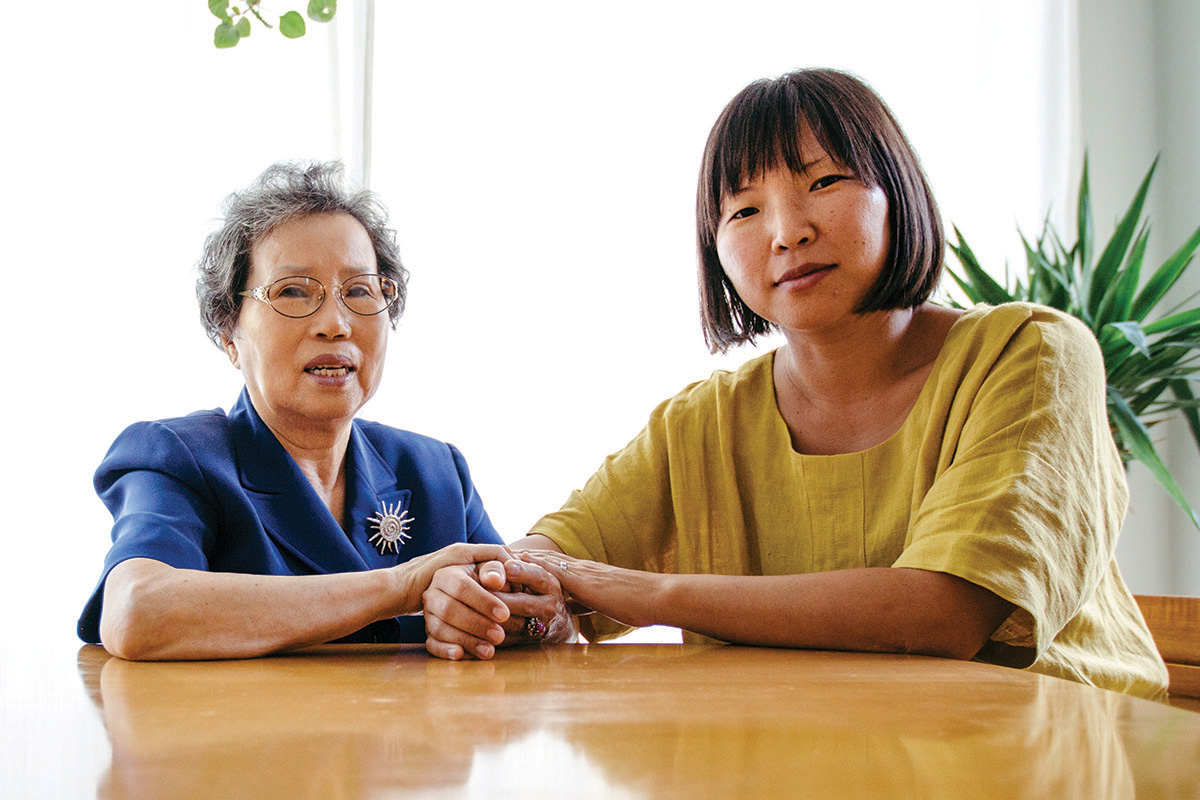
column 434, row 607
column 432, row 623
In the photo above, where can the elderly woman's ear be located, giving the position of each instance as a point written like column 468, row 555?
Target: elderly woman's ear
column 231, row 350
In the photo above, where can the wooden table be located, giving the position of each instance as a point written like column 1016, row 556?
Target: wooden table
column 616, row 721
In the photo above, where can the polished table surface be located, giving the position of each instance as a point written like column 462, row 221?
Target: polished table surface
column 611, row 721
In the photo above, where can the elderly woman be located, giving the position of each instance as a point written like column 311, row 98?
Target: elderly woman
column 898, row 476
column 286, row 522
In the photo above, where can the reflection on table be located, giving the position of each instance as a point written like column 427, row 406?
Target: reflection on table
column 627, row 720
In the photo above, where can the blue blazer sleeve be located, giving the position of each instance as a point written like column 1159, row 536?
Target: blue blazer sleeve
column 162, row 506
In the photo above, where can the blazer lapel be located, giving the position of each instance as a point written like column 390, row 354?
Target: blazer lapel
column 372, row 493
column 288, row 507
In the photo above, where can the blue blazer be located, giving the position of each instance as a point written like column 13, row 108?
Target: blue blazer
column 218, row 492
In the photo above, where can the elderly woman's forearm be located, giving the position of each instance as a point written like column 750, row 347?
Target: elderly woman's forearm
column 154, row 612
column 871, row 610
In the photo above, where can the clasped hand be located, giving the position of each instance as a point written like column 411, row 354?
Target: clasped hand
column 470, row 609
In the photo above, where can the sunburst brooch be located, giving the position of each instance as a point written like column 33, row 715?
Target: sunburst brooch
column 391, row 528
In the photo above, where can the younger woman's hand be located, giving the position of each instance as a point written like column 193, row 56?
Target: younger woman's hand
column 532, row 593
column 625, row 595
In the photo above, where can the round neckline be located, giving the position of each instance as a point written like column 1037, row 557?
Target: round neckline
column 923, row 398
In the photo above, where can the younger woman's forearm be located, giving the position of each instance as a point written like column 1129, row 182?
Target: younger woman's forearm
column 870, row 610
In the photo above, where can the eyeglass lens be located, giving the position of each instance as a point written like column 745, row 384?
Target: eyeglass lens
column 363, row 294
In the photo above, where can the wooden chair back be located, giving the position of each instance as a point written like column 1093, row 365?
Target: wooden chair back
column 1175, row 624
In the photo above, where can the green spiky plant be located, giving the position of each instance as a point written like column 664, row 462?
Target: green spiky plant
column 1151, row 355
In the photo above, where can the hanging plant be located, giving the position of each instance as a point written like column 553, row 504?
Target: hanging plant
column 235, row 19
column 1151, row 355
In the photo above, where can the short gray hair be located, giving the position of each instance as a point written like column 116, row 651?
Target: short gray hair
column 284, row 192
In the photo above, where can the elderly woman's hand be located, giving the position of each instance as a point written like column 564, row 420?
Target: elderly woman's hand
column 419, row 572
column 472, row 610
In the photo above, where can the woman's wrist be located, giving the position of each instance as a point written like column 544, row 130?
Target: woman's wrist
column 403, row 588
column 653, row 601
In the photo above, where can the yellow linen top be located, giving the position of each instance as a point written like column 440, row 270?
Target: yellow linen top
column 1004, row 474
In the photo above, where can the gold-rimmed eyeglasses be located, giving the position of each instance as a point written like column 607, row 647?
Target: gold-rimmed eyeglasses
column 298, row 296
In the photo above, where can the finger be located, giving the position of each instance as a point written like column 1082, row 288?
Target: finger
column 446, row 650
column 460, row 583
column 459, row 617
column 517, row 628
column 523, row 606
column 447, row 642
column 491, row 575
column 524, row 630
column 455, row 652
column 448, row 636
column 545, row 555
column 464, row 553
column 559, row 567
column 479, row 553
column 451, row 610
column 556, row 564
column 532, row 576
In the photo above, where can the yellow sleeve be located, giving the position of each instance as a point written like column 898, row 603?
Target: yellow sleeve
column 1031, row 501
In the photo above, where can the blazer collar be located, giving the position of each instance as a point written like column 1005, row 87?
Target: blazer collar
column 290, row 510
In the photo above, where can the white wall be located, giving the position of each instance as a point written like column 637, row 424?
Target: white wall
column 1140, row 97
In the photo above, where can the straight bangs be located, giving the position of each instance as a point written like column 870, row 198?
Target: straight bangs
column 761, row 130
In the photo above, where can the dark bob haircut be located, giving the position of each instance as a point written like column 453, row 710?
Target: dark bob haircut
column 284, row 192
column 760, row 127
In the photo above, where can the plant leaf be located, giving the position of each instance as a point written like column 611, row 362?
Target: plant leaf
column 1054, row 278
column 1114, row 253
column 1164, row 277
column 243, row 27
column 1083, row 244
column 1134, row 334
column 226, row 35
column 1174, row 323
column 1146, row 398
column 967, row 288
column 321, row 10
column 1119, row 297
column 220, row 10
column 1152, row 368
column 1137, row 440
column 292, row 25
column 986, row 288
